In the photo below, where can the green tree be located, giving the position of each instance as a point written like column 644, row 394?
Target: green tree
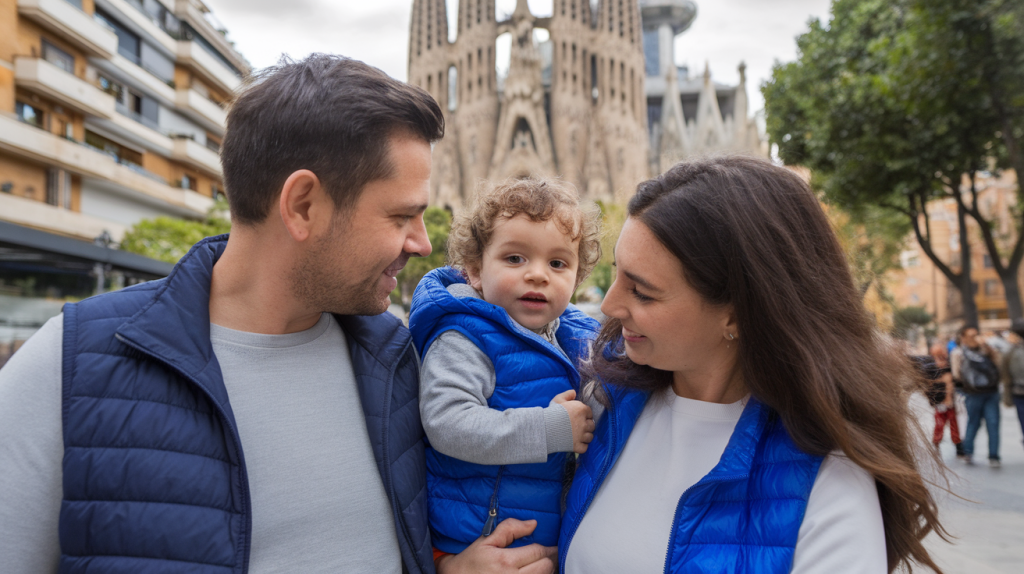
column 169, row 238
column 889, row 107
column 438, row 223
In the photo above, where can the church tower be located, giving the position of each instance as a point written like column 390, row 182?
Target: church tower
column 571, row 100
column 617, row 67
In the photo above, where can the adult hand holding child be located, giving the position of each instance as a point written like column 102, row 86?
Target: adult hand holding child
column 581, row 418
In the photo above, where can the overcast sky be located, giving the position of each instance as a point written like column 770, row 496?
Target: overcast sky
column 725, row 32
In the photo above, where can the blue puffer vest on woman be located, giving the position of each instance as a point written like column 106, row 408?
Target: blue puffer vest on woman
column 529, row 372
column 742, row 517
column 154, row 476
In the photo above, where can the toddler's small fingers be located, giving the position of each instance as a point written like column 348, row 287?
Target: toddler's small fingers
column 564, row 397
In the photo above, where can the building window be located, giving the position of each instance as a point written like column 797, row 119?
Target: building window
column 58, row 188
column 991, row 288
column 29, row 114
column 127, row 42
column 652, row 53
column 58, row 57
column 188, row 182
column 453, row 88
column 986, row 261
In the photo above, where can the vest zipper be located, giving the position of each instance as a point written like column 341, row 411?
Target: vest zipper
column 244, row 483
column 610, row 413
column 388, row 484
column 492, row 512
column 679, row 506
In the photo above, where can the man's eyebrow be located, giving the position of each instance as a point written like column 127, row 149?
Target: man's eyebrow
column 413, row 208
column 640, row 281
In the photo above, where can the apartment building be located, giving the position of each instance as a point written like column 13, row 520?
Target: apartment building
column 919, row 283
column 111, row 111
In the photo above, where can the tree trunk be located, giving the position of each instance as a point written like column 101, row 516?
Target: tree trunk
column 966, row 285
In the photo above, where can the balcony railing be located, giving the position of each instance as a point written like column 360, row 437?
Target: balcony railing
column 122, row 161
column 125, row 111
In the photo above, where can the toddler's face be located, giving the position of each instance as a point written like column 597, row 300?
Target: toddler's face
column 528, row 269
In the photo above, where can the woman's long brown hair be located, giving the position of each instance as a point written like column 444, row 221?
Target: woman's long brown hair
column 753, row 235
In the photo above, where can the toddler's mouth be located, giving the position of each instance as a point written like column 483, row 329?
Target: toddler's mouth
column 534, row 297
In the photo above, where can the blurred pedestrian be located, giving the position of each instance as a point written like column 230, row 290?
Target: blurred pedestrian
column 1015, row 366
column 940, row 393
column 975, row 364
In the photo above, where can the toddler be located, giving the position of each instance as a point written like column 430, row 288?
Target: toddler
column 500, row 346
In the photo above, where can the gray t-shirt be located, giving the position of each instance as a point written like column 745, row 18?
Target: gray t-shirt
column 318, row 501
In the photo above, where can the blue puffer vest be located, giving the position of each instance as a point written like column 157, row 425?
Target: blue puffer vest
column 742, row 517
column 154, row 473
column 529, row 372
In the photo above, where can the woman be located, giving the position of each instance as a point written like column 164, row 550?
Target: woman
column 757, row 421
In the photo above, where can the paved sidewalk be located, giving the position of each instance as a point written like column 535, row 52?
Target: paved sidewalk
column 989, row 526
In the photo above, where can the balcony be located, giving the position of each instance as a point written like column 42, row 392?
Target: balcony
column 38, row 75
column 139, row 130
column 126, row 71
column 34, row 144
column 32, row 213
column 141, row 24
column 70, row 23
column 192, row 12
column 201, row 109
column 196, row 155
column 207, row 66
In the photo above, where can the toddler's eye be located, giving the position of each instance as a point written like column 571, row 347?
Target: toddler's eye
column 514, row 259
column 556, row 264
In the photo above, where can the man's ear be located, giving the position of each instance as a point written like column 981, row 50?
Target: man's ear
column 303, row 204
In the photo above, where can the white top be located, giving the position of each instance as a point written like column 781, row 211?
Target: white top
column 674, row 444
column 318, row 501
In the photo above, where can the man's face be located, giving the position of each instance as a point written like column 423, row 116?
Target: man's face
column 970, row 338
column 351, row 269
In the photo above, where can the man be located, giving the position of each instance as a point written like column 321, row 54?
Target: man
column 254, row 411
column 974, row 364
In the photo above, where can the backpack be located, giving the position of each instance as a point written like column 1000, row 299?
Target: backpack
column 979, row 373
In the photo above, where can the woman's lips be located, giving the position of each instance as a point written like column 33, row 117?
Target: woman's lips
column 631, row 337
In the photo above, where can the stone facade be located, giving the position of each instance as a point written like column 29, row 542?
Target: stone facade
column 690, row 117
column 572, row 106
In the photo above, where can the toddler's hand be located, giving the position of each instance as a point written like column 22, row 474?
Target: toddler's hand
column 581, row 418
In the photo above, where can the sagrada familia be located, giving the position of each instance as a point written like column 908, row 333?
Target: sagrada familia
column 601, row 103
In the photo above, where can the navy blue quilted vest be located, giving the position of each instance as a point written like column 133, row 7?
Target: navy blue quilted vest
column 529, row 372
column 742, row 517
column 154, row 472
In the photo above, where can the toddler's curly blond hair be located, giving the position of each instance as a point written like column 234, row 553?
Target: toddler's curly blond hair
column 538, row 199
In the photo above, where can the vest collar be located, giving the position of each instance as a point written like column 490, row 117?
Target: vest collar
column 175, row 325
column 738, row 458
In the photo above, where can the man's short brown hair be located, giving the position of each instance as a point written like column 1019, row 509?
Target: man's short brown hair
column 537, row 199
column 329, row 114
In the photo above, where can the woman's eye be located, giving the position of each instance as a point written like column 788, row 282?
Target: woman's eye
column 514, row 259
column 640, row 296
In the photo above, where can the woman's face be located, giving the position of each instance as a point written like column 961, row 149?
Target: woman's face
column 665, row 322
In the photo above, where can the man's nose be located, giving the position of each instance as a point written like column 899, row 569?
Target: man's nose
column 418, row 242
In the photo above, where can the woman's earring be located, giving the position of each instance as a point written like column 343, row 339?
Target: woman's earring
column 731, row 336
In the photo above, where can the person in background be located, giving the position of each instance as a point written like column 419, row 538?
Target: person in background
column 1015, row 369
column 940, row 393
column 975, row 364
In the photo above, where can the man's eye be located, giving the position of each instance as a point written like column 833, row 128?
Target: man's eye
column 514, row 259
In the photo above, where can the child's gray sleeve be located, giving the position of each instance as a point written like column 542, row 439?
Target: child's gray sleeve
column 456, row 380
